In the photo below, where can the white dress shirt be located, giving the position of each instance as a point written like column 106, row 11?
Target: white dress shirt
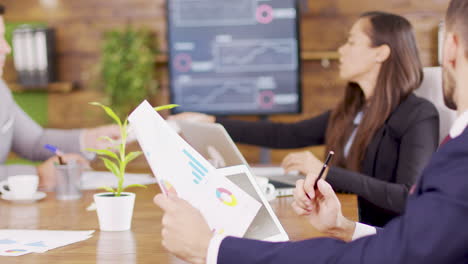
column 361, row 230
column 459, row 125
column 356, row 122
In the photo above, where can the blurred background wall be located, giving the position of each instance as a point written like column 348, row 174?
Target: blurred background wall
column 80, row 27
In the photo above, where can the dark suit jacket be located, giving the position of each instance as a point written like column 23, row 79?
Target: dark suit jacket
column 393, row 161
column 432, row 229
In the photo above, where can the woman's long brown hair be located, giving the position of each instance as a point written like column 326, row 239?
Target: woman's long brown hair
column 399, row 75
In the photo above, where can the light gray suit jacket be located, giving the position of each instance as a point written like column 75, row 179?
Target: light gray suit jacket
column 20, row 134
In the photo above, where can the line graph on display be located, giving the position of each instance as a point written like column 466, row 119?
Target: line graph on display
column 196, row 13
column 256, row 55
column 225, row 93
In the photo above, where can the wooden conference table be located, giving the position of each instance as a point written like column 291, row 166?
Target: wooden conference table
column 142, row 244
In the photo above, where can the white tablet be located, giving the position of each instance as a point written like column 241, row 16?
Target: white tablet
column 214, row 143
column 265, row 225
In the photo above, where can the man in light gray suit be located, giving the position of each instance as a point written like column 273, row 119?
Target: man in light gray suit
column 20, row 134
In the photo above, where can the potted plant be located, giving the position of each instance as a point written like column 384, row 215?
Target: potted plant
column 115, row 207
column 127, row 65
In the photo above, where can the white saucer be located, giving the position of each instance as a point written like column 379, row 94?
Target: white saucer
column 37, row 196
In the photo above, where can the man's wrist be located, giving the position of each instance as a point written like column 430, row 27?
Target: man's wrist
column 203, row 250
column 199, row 261
column 344, row 230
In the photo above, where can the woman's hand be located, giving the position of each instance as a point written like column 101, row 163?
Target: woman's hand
column 92, row 137
column 305, row 162
column 46, row 170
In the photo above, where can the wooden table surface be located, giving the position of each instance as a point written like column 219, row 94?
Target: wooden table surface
column 139, row 245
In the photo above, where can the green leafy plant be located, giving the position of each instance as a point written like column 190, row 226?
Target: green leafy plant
column 127, row 69
column 116, row 162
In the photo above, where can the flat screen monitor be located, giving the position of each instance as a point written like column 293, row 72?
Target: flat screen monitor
column 234, row 56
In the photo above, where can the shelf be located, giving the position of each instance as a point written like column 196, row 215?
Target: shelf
column 305, row 56
column 319, row 55
column 56, row 87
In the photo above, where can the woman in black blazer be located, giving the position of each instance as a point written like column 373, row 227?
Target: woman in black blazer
column 382, row 134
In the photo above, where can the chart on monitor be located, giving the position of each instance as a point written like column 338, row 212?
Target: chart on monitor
column 234, row 57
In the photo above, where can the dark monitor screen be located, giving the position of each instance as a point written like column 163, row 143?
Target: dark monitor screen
column 234, row 56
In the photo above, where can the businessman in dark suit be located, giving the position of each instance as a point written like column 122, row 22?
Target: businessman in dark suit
column 432, row 229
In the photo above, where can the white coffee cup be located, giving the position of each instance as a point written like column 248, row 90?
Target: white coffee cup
column 20, row 187
column 267, row 188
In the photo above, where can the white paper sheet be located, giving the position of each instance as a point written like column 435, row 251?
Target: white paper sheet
column 91, row 180
column 16, row 242
column 182, row 170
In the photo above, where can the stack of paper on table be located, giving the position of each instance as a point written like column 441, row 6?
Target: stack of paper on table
column 15, row 242
column 183, row 171
column 91, row 180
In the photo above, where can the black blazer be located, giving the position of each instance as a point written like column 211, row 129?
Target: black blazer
column 393, row 161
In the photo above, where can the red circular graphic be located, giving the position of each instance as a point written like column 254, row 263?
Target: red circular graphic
column 183, row 62
column 264, row 14
column 266, row 99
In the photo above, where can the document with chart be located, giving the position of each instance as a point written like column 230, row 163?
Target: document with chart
column 183, row 171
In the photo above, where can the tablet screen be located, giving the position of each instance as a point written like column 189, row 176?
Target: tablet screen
column 263, row 225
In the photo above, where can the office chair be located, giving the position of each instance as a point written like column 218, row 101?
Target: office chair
column 431, row 89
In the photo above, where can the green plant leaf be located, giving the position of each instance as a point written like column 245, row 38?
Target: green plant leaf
column 108, row 139
column 166, row 107
column 104, row 152
column 111, row 166
column 134, row 185
column 109, row 112
column 109, row 189
column 125, row 128
column 131, row 156
column 127, row 72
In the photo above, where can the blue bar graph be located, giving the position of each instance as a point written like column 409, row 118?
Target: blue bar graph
column 196, row 168
column 199, row 171
column 197, row 175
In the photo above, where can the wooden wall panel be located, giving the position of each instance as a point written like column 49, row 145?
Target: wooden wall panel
column 72, row 110
column 315, row 38
column 324, row 27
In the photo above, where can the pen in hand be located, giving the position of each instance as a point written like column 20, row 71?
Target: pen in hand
column 325, row 166
column 56, row 151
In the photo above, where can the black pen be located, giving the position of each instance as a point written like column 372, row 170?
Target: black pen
column 325, row 165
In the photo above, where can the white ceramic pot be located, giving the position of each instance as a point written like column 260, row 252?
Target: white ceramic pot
column 114, row 213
